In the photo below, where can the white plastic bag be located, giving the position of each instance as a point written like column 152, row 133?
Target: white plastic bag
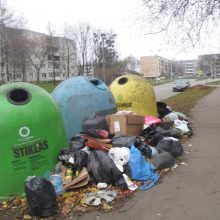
column 120, row 156
column 182, row 125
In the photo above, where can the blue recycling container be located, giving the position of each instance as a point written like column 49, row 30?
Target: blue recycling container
column 82, row 97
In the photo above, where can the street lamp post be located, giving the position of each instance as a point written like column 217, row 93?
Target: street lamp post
column 171, row 71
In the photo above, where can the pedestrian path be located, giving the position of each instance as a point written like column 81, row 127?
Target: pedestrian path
column 191, row 192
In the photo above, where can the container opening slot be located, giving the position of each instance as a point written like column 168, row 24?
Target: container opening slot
column 95, row 82
column 122, row 81
column 18, row 96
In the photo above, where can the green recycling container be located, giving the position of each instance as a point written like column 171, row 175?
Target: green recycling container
column 31, row 135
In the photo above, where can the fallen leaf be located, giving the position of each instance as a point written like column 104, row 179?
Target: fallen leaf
column 93, row 189
column 65, row 210
column 106, row 207
column 83, row 200
column 70, row 200
column 27, row 217
column 80, row 208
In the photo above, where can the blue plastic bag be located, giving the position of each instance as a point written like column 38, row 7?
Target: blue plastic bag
column 57, row 182
column 141, row 169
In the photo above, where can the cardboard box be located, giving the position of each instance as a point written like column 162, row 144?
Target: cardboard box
column 125, row 124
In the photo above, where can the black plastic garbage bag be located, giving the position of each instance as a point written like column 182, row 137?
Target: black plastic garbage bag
column 77, row 143
column 102, row 169
column 79, row 156
column 98, row 122
column 172, row 132
column 151, row 135
column 175, row 148
column 162, row 160
column 162, row 109
column 143, row 148
column 120, row 140
column 166, row 124
column 41, row 197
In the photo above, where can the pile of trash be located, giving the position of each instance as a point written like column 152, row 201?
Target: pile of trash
column 102, row 165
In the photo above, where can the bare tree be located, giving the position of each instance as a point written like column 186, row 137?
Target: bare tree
column 68, row 50
column 12, row 49
column 37, row 53
column 6, row 18
column 133, row 64
column 185, row 18
column 83, row 38
column 52, row 48
column 105, row 54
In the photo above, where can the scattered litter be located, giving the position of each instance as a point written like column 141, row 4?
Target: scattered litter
column 100, row 196
column 166, row 169
column 183, row 164
column 174, row 166
column 190, row 145
column 102, row 185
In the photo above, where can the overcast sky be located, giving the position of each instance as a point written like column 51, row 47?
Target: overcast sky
column 119, row 15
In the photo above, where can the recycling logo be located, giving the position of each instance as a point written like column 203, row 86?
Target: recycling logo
column 24, row 131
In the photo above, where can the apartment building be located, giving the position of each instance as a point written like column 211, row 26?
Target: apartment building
column 155, row 66
column 189, row 67
column 209, row 64
column 34, row 56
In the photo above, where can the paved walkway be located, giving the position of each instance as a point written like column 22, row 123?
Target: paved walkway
column 191, row 192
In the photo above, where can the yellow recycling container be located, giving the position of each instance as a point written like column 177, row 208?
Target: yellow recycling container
column 134, row 93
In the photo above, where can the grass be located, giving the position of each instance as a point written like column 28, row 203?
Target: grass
column 49, row 86
column 214, row 83
column 154, row 83
column 201, row 78
column 185, row 101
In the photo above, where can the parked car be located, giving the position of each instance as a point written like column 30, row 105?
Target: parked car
column 181, row 85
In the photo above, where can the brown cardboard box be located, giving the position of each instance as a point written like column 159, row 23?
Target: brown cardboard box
column 125, row 124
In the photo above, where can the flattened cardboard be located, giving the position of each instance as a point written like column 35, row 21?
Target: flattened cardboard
column 77, row 182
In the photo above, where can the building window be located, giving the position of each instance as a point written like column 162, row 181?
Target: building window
column 52, row 50
column 50, row 57
column 44, row 75
column 18, row 76
column 50, row 65
column 31, row 75
column 56, row 66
